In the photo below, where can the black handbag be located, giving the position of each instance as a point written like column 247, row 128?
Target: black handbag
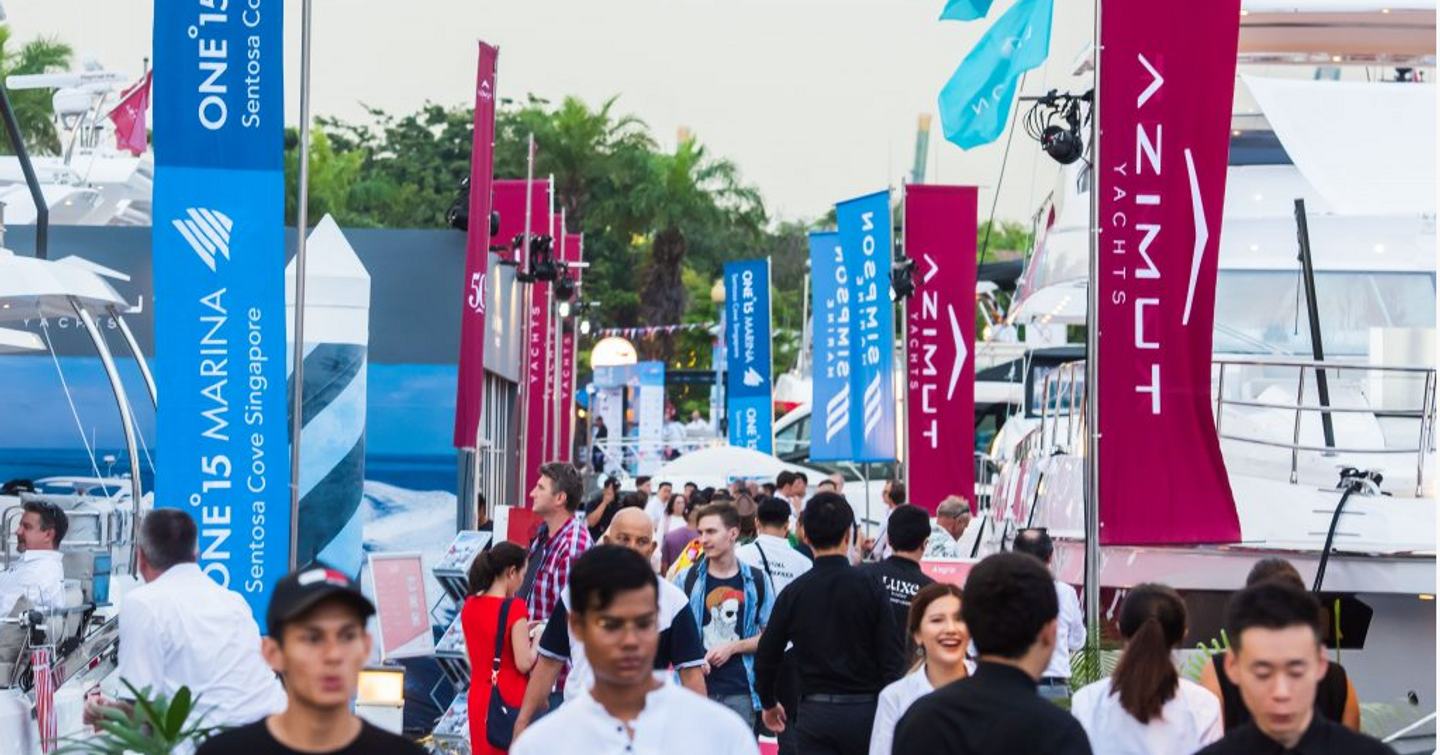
column 499, row 717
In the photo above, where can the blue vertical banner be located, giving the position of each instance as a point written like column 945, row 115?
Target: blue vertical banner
column 747, row 351
column 219, row 258
column 830, row 395
column 864, row 230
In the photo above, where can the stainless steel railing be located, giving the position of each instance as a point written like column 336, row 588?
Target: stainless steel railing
column 1424, row 412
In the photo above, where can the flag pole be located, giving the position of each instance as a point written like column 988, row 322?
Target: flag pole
column 1092, row 373
column 297, row 380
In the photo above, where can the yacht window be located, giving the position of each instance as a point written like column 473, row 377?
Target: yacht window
column 1263, row 311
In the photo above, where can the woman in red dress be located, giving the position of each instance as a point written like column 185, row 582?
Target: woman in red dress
column 495, row 576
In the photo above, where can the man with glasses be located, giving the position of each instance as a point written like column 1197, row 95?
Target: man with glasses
column 37, row 574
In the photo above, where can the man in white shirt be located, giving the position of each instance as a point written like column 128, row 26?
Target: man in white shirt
column 679, row 644
column 1070, row 626
column 893, row 496
column 655, row 506
column 771, row 551
column 38, row 573
column 615, row 614
column 952, row 517
column 182, row 629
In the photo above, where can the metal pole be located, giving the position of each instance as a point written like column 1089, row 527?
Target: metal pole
column 905, row 354
column 127, row 420
column 42, row 210
column 522, row 415
column 297, row 379
column 134, row 347
column 1312, row 309
column 1092, row 370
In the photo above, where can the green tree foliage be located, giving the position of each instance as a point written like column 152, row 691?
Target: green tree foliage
column 34, row 111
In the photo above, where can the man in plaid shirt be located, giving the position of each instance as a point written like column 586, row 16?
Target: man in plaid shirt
column 555, row 499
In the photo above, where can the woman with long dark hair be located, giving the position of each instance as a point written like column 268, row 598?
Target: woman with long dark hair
column 1145, row 707
column 495, row 576
column 940, row 638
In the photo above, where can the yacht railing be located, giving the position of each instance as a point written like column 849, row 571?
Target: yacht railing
column 1424, row 411
column 1062, row 408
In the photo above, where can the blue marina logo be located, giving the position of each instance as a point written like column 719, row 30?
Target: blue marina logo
column 207, row 232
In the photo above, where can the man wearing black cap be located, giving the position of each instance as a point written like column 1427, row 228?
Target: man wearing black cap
column 317, row 643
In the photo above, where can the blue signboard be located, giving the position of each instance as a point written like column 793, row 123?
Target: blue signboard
column 219, row 257
column 747, row 347
column 864, row 230
column 830, row 436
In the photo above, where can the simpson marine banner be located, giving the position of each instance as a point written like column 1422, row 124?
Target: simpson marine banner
column 1165, row 90
column 470, row 388
column 940, row 231
column 747, row 337
column 219, row 259
column 864, row 230
column 830, row 397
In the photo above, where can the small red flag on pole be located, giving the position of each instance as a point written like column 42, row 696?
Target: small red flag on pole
column 129, row 117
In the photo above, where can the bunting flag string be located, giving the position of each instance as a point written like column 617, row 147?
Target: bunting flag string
column 655, row 330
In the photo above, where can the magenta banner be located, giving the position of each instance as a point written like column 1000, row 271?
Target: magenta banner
column 1167, row 80
column 537, row 370
column 940, row 223
column 510, row 203
column 574, row 252
column 469, row 390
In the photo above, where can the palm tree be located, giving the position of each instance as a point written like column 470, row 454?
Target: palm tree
column 34, row 110
column 690, row 195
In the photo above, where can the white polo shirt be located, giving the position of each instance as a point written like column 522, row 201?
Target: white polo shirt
column 674, row 720
column 183, row 629
column 37, row 575
column 785, row 563
column 1187, row 722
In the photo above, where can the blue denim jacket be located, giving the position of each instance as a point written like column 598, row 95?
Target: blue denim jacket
column 752, row 621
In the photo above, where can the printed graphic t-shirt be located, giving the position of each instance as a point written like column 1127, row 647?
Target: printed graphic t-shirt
column 724, row 605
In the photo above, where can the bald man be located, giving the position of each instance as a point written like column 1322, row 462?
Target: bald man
column 680, row 645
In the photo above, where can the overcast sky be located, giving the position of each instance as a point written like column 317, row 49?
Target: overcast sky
column 816, row 100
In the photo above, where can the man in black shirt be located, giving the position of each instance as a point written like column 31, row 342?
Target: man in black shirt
column 1276, row 660
column 317, row 642
column 900, row 574
column 846, row 645
column 1010, row 608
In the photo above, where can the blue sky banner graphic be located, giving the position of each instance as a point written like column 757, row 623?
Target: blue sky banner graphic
column 975, row 103
column 219, row 257
column 830, row 398
column 747, row 341
column 864, row 231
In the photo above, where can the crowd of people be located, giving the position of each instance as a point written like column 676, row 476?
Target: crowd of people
column 704, row 620
column 714, row 617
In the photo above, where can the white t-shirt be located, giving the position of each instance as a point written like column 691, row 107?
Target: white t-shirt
column 1070, row 636
column 786, row 563
column 895, row 699
column 37, row 575
column 673, row 604
column 1188, row 721
column 183, row 629
column 674, row 720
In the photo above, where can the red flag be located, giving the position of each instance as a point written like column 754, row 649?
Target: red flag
column 1166, row 70
column 129, row 117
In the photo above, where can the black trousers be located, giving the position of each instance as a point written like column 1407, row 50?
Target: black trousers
column 834, row 728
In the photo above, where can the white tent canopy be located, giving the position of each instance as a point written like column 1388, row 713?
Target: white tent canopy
column 719, row 465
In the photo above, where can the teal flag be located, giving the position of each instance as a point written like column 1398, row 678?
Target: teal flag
column 965, row 10
column 975, row 102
